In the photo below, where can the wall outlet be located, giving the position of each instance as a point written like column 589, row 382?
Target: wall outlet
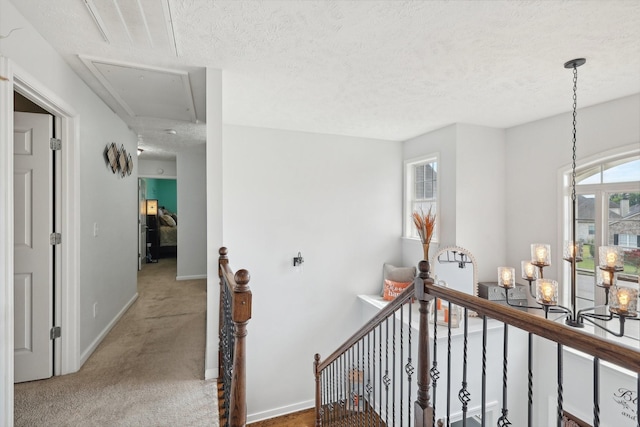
column 95, row 310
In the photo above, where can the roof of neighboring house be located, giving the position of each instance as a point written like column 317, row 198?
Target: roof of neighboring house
column 587, row 210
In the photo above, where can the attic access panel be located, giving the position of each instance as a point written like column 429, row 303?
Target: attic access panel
column 145, row 91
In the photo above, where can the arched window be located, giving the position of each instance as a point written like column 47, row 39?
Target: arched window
column 608, row 214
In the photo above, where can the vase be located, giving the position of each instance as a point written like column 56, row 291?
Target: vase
column 425, row 251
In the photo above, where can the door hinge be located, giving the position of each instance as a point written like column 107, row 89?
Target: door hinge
column 55, row 144
column 55, row 238
column 55, row 332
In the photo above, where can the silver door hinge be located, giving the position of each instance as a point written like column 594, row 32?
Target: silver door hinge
column 55, row 144
column 55, row 238
column 55, row 332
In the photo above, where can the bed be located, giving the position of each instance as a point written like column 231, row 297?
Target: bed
column 168, row 232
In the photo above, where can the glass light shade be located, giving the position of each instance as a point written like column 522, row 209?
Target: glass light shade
column 541, row 254
column 606, row 278
column 152, row 207
column 572, row 251
column 506, row 277
column 624, row 301
column 547, row 291
column 529, row 271
column 611, row 257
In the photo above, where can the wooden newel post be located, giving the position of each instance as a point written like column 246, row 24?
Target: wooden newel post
column 240, row 313
column 222, row 260
column 423, row 409
column 316, row 362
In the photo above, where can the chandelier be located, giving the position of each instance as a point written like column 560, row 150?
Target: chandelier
column 619, row 301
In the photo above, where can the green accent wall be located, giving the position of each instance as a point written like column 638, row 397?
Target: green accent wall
column 165, row 190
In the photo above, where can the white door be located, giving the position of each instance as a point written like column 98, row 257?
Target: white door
column 142, row 222
column 33, row 254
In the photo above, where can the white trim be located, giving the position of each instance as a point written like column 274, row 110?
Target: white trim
column 70, row 288
column 6, row 242
column 91, row 61
column 283, row 410
column 407, row 197
column 96, row 342
column 194, row 277
column 563, row 189
column 211, row 374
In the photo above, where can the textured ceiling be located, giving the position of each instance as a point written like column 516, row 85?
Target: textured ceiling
column 380, row 69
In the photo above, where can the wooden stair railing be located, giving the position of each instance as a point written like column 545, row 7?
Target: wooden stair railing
column 332, row 373
column 341, row 404
column 235, row 312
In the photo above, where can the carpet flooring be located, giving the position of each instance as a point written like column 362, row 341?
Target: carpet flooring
column 148, row 371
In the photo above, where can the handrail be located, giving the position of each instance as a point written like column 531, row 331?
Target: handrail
column 405, row 296
column 238, row 311
column 387, row 311
column 338, row 395
column 615, row 353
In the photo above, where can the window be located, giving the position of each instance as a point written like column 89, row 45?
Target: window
column 608, row 214
column 421, row 191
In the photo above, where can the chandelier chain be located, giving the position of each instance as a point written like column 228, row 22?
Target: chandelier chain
column 573, row 158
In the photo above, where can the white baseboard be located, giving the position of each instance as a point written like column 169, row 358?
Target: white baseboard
column 89, row 351
column 211, row 374
column 277, row 412
column 194, row 277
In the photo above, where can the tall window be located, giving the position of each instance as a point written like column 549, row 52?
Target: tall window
column 421, row 191
column 608, row 214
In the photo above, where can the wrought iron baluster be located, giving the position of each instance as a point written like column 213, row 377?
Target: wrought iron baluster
column 409, row 367
column 560, row 388
column 401, row 377
column 503, row 420
column 596, row 392
column 435, row 373
column 449, row 366
column 393, row 367
column 342, row 383
column 368, row 389
column 464, row 395
column 530, row 382
column 350, row 374
column 373, row 373
column 386, row 374
column 483, row 405
column 361, row 378
column 329, row 403
column 324, row 395
column 380, row 383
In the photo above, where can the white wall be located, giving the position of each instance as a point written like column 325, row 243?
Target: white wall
column 214, row 214
column 443, row 143
column 480, row 196
column 106, row 264
column 154, row 168
column 335, row 199
column 192, row 203
column 472, row 188
column 537, row 153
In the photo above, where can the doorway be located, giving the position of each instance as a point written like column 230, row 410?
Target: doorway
column 37, row 246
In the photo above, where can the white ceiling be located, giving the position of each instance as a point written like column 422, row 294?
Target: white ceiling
column 379, row 69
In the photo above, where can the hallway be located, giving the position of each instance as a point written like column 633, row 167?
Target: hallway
column 147, row 372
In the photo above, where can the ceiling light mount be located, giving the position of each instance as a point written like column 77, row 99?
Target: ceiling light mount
column 575, row 63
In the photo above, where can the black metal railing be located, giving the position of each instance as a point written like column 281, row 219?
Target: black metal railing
column 369, row 380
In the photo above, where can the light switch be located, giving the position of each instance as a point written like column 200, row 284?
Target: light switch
column 95, row 229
